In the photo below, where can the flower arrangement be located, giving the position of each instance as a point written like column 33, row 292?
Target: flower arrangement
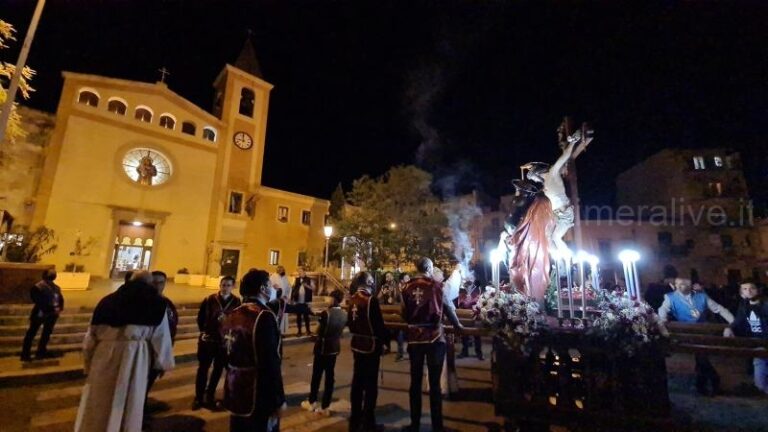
column 626, row 324
column 513, row 316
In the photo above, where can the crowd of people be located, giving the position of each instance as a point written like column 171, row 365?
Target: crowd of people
column 683, row 300
column 129, row 343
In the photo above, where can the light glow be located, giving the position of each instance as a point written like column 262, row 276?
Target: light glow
column 495, row 256
column 629, row 256
column 137, row 223
column 328, row 231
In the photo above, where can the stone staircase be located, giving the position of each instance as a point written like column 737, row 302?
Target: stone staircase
column 70, row 328
column 69, row 332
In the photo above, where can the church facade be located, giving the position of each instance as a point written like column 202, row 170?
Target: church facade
column 137, row 177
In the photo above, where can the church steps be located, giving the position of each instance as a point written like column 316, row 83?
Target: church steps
column 58, row 338
column 73, row 344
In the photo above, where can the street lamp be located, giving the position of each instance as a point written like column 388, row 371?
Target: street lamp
column 629, row 258
column 328, row 231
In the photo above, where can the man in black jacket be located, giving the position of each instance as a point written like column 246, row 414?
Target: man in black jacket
column 253, row 389
column 369, row 337
column 48, row 305
column 212, row 312
column 752, row 321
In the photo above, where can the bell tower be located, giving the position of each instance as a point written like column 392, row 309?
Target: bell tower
column 241, row 101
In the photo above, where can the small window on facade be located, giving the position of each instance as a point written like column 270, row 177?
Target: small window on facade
column 209, row 134
column 167, row 122
column 715, row 189
column 306, row 217
column 143, row 114
column 282, row 214
column 188, row 128
column 117, row 107
column 274, row 257
column 718, row 161
column 88, row 98
column 302, row 260
column 247, row 102
column 698, row 163
column 235, row 205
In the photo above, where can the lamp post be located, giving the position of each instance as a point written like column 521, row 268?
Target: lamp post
column 495, row 271
column 328, row 231
column 628, row 260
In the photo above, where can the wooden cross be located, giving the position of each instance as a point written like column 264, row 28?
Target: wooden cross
column 354, row 312
column 229, row 340
column 418, row 293
column 163, row 73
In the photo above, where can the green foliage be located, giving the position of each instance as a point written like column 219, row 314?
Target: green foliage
column 29, row 246
column 337, row 203
column 394, row 219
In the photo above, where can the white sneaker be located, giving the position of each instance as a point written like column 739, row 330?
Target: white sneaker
column 323, row 412
column 309, row 406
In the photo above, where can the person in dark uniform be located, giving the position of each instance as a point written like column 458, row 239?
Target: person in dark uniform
column 467, row 299
column 369, row 337
column 212, row 312
column 49, row 303
column 424, row 305
column 301, row 297
column 327, row 347
column 253, row 388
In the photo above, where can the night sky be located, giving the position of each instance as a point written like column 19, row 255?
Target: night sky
column 469, row 90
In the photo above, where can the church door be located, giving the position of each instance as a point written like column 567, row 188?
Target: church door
column 230, row 258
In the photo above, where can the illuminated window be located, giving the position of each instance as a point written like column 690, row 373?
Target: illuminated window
column 188, row 128
column 306, row 217
column 698, row 163
column 209, row 134
column 235, row 205
column 167, row 121
column 87, row 97
column 718, row 161
column 282, row 214
column 715, row 189
column 247, row 102
column 147, row 166
column 143, row 114
column 274, row 257
column 117, row 106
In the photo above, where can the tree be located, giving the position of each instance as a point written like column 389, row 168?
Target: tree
column 394, row 219
column 29, row 246
column 7, row 70
column 337, row 203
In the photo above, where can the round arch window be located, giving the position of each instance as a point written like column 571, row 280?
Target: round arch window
column 147, row 166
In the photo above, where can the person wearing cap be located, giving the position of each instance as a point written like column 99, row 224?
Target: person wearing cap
column 253, row 388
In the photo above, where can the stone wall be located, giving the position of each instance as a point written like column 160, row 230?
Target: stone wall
column 21, row 165
column 16, row 279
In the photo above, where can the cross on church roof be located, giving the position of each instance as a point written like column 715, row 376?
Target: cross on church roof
column 163, row 73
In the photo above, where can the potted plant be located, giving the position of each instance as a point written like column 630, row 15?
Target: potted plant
column 197, row 279
column 182, row 276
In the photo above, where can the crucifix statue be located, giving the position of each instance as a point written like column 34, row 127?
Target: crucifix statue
column 354, row 312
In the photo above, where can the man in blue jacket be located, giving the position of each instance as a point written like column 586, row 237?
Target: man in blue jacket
column 686, row 305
